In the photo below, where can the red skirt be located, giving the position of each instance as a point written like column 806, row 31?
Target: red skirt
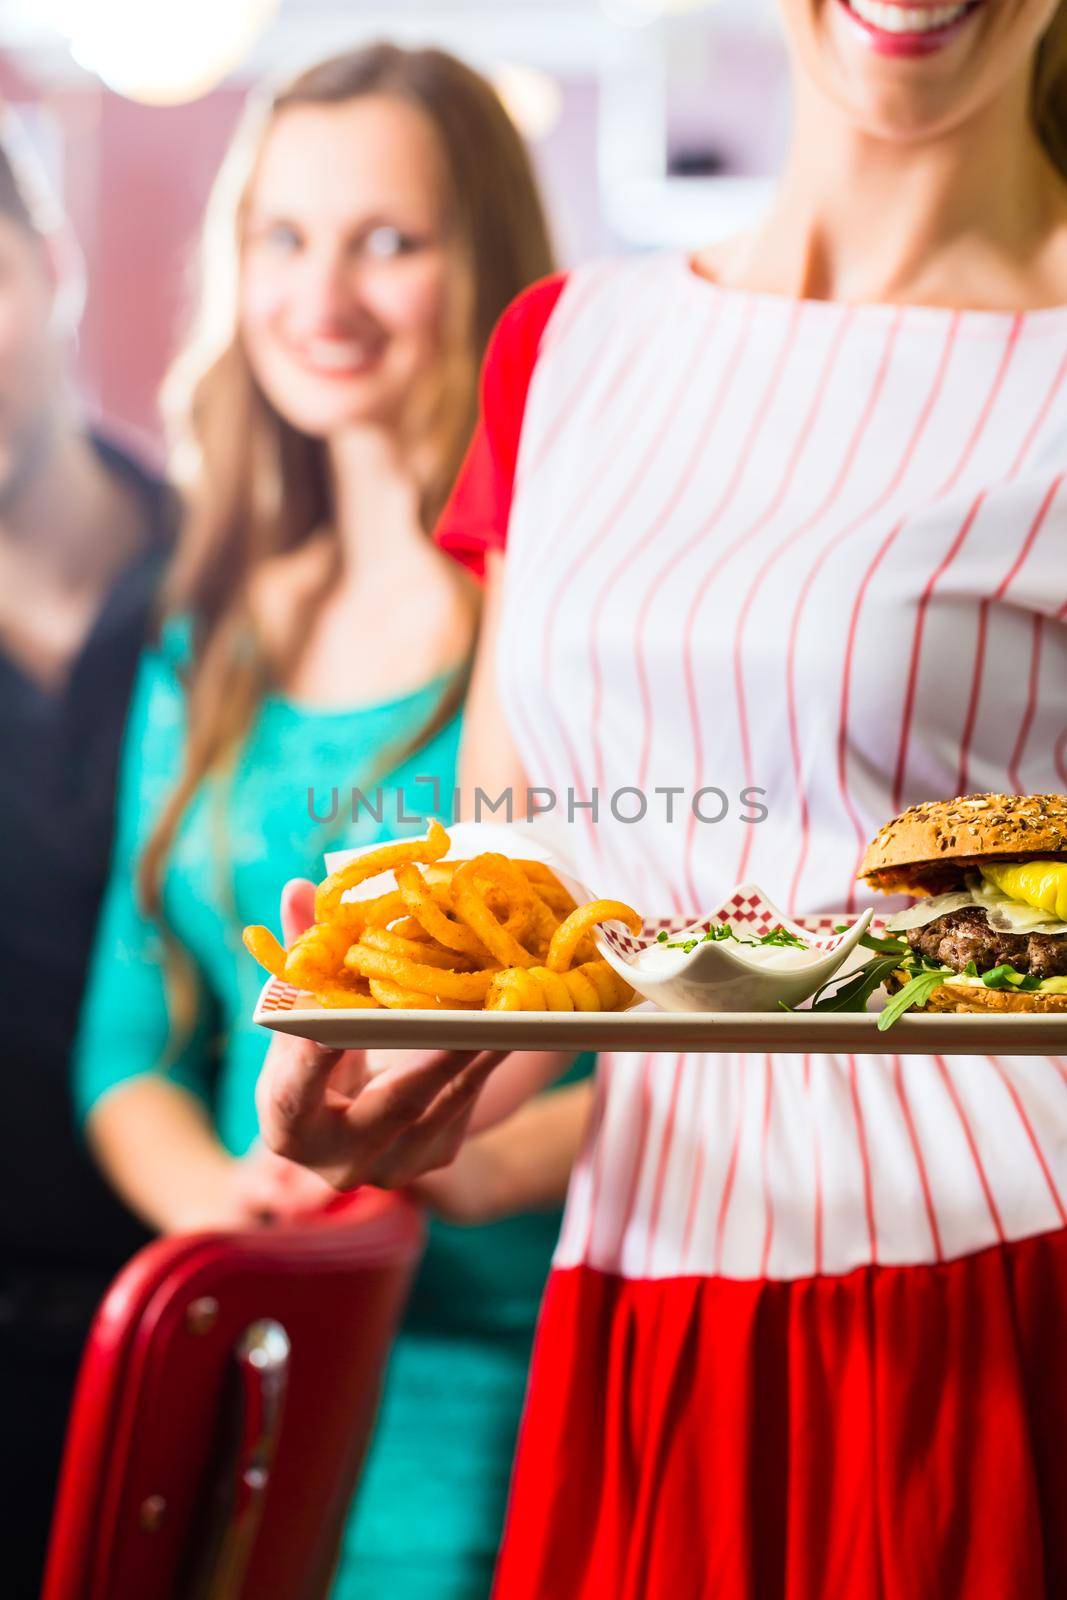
column 895, row 1433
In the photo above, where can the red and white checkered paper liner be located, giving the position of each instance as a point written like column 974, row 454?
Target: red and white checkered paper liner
column 749, row 911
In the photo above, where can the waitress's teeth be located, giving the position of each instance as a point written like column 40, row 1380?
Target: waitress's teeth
column 905, row 19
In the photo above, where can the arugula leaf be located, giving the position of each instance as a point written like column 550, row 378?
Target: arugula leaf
column 914, row 993
column 890, row 945
column 850, row 992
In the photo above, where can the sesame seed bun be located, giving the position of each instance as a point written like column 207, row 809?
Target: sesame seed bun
column 929, row 847
column 968, row 997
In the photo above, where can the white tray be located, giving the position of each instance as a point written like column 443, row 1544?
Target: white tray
column 646, row 1028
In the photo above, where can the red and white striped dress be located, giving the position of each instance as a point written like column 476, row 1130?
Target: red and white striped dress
column 806, row 1333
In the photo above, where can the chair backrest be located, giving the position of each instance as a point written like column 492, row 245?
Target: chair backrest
column 223, row 1408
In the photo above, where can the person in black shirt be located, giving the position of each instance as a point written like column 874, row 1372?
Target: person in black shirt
column 83, row 534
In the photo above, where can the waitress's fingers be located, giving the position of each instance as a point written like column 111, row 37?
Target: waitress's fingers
column 458, row 1096
column 373, row 1135
column 395, row 1100
column 436, row 1139
column 298, row 907
column 292, row 1092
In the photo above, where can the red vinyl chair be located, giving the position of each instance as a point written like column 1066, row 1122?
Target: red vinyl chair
column 223, row 1408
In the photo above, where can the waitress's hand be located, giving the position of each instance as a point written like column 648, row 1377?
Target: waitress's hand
column 328, row 1111
column 351, row 1124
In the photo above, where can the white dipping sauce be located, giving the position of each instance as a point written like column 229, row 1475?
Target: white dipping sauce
column 657, row 959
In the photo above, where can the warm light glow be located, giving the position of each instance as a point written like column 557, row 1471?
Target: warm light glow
column 165, row 52
column 534, row 100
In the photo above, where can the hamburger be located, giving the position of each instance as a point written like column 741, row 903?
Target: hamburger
column 988, row 931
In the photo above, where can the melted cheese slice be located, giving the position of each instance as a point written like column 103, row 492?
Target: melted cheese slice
column 1041, row 884
column 1005, row 912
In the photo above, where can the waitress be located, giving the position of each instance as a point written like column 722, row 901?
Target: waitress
column 789, row 513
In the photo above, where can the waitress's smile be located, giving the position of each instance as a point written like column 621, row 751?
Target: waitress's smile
column 896, row 29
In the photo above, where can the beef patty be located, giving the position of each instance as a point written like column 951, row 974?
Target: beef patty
column 965, row 935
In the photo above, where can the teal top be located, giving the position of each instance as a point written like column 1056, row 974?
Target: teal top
column 429, row 1511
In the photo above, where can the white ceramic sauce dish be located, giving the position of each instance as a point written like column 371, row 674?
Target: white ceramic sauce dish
column 751, row 971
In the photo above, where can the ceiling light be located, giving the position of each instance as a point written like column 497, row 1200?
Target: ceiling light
column 164, row 53
column 532, row 98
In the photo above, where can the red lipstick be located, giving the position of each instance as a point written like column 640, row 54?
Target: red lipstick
column 922, row 42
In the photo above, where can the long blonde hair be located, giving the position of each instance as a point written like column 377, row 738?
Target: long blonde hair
column 255, row 486
column 1049, row 95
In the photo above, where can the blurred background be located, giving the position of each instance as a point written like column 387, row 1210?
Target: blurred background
column 653, row 122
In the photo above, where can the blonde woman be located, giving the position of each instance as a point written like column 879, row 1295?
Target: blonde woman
column 798, row 520
column 371, row 225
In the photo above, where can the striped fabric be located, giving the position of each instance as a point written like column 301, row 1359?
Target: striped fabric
column 819, row 551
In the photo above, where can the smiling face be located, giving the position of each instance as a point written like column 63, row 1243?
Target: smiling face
column 344, row 262
column 916, row 70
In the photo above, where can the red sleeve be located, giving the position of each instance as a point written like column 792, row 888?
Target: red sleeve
column 475, row 518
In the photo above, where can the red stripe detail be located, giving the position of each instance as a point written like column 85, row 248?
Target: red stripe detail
column 865, row 1158
column 983, row 622
column 541, row 560
column 845, row 710
column 945, row 563
column 644, row 689
column 890, row 489
column 596, row 1153
column 1046, row 1171
column 817, row 1152
column 947, row 486
column 731, row 1168
column 798, row 533
column 768, row 1198
column 567, row 404
column 755, row 429
column 1025, row 725
column 924, row 1176
column 968, row 1133
column 561, row 325
column 589, row 548
column 987, row 409
column 698, row 1175
column 1038, row 422
column 655, row 446
column 917, row 642
column 1060, row 757
column 627, row 1209
column 972, row 703
column 661, row 1165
